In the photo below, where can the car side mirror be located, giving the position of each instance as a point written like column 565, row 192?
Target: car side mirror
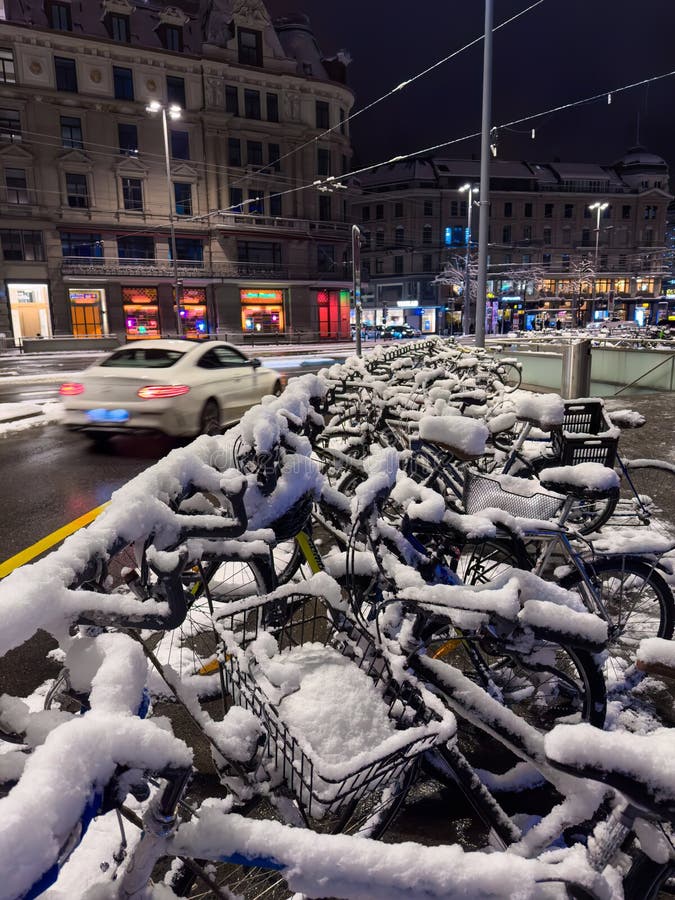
column 255, row 362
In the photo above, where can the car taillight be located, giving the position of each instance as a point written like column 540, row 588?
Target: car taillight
column 162, row 391
column 71, row 389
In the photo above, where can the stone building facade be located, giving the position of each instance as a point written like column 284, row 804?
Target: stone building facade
column 544, row 263
column 86, row 204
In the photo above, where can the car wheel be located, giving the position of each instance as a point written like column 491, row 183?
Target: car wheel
column 277, row 389
column 210, row 419
column 99, row 441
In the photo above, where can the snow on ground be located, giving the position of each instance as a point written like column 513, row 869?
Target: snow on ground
column 15, row 417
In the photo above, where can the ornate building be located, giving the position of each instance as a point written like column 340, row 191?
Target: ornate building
column 93, row 199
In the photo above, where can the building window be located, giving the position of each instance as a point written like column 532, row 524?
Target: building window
column 548, row 234
column 135, row 248
column 454, row 209
column 625, row 211
column 132, row 194
column 16, row 186
column 587, row 212
column 59, row 15
column 527, row 232
column 254, row 153
column 71, row 132
column 274, row 157
column 325, row 258
column 427, row 234
column 365, row 214
column 7, row 73
column 565, row 262
column 236, row 199
column 399, row 235
column 76, row 191
column 546, row 260
column 398, row 265
column 379, row 267
column 379, row 238
column 231, row 100
column 548, row 210
column 66, row 74
column 506, row 234
column 172, row 37
column 566, row 236
column 180, row 145
column 276, row 208
column 585, row 237
column 427, row 262
column 322, row 114
column 189, row 250
column 127, row 139
column 323, row 161
column 119, row 27
column 508, row 210
column 250, row 47
column 260, row 253
column 10, row 125
column 365, row 240
column 22, row 246
column 175, row 90
column 256, row 203
column 343, row 122
column 82, row 246
column 528, row 210
column 325, row 212
column 569, row 211
column 607, row 212
column 272, row 102
column 398, row 210
column 429, row 208
column 252, row 104
column 123, row 81
column 379, row 211
column 234, row 151
column 182, row 192
column 650, row 212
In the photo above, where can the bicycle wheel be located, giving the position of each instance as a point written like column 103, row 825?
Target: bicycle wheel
column 510, row 376
column 645, row 879
column 481, row 561
column 585, row 516
column 637, row 599
column 647, row 493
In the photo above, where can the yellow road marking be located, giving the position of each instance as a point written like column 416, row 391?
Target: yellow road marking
column 24, row 556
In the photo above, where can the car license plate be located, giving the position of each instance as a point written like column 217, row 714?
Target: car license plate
column 108, row 415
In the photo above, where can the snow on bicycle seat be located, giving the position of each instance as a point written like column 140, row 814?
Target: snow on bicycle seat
column 501, row 423
column 591, row 481
column 464, row 437
column 545, row 411
column 640, row 766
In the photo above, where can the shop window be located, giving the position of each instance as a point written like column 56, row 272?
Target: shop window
column 71, row 132
column 182, row 192
column 135, row 248
column 193, row 315
column 22, row 246
column 180, row 144
column 87, row 312
column 262, row 311
column 123, row 83
column 29, row 307
column 141, row 313
column 250, row 47
column 16, row 186
column 65, row 71
column 77, row 193
column 322, row 114
column 252, row 104
column 59, row 16
column 127, row 139
column 272, row 107
column 7, row 73
column 175, row 90
column 231, row 100
column 132, row 194
column 333, row 308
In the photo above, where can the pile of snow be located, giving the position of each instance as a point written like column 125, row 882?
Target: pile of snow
column 593, row 476
column 463, row 435
column 546, row 410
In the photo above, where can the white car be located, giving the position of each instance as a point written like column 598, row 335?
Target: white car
column 178, row 387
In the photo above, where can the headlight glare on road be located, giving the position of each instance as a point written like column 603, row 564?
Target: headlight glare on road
column 71, row 389
column 162, row 391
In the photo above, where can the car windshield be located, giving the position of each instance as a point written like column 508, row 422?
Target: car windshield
column 143, row 358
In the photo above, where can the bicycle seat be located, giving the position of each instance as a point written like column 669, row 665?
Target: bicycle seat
column 465, row 438
column 585, row 481
column 641, row 767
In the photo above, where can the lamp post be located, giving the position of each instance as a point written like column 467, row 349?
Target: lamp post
column 466, row 317
column 598, row 207
column 484, row 202
column 174, row 112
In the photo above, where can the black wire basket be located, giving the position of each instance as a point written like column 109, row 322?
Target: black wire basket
column 284, row 756
column 482, row 492
column 294, row 519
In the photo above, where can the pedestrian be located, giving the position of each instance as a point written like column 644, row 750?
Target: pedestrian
column 558, row 325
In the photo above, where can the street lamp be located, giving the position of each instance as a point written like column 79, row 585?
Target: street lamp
column 471, row 189
column 174, row 112
column 598, row 207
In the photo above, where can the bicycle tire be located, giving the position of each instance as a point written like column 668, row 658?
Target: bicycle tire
column 642, row 594
column 647, row 491
column 510, row 376
column 586, row 516
column 645, row 878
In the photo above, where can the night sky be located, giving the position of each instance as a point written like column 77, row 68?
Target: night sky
column 562, row 50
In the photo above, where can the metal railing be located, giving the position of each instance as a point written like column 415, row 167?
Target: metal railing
column 163, row 268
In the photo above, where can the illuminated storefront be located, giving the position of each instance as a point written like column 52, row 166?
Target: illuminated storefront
column 262, row 311
column 333, row 314
column 88, row 312
column 193, row 315
column 29, row 306
column 141, row 313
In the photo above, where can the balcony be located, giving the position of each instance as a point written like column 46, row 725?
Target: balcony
column 231, row 221
column 103, row 266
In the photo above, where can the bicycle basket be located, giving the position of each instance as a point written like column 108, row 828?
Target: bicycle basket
column 322, row 787
column 482, row 492
column 294, row 519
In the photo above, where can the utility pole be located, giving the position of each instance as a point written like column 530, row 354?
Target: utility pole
column 484, row 201
column 356, row 283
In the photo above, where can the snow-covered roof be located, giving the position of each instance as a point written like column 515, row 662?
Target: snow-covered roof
column 639, row 156
column 470, row 168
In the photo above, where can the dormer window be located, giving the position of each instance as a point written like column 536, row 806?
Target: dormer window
column 172, row 37
column 119, row 27
column 250, row 47
column 59, row 16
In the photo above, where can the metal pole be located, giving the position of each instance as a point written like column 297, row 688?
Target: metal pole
column 595, row 270
column 484, row 202
column 176, row 282
column 356, row 284
column 467, row 274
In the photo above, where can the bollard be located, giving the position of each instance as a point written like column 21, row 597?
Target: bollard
column 576, row 369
